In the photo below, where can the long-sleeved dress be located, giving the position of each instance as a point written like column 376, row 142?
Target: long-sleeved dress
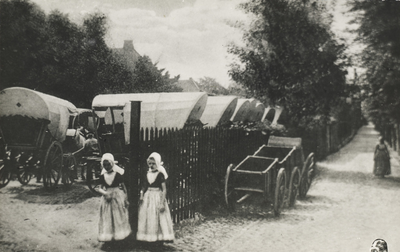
column 381, row 161
column 154, row 225
column 114, row 217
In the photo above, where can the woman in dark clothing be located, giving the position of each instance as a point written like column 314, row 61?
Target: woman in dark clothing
column 155, row 223
column 381, row 159
column 114, row 219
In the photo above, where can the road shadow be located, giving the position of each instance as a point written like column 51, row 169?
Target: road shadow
column 37, row 194
column 354, row 177
column 131, row 245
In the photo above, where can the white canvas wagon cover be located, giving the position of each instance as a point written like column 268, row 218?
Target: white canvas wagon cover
column 160, row 110
column 256, row 110
column 18, row 101
column 241, row 110
column 219, row 109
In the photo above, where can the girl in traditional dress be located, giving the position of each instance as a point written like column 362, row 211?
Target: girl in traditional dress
column 381, row 159
column 114, row 219
column 155, row 223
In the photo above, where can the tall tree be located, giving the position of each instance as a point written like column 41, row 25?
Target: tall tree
column 51, row 54
column 23, row 34
column 379, row 30
column 290, row 58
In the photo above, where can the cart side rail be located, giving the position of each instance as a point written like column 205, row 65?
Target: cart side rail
column 273, row 162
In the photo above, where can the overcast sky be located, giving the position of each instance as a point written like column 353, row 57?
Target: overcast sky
column 186, row 37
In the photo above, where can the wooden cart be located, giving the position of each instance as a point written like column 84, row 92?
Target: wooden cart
column 276, row 171
column 34, row 128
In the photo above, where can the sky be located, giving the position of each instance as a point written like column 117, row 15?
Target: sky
column 186, row 37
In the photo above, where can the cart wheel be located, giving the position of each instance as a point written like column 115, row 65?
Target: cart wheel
column 5, row 174
column 280, row 192
column 307, row 176
column 230, row 197
column 93, row 173
column 25, row 169
column 68, row 170
column 52, row 165
column 294, row 186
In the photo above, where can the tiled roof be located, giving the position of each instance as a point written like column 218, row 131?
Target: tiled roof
column 188, row 85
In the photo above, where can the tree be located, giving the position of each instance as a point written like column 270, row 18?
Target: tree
column 23, row 34
column 211, row 86
column 290, row 58
column 379, row 30
column 51, row 54
column 148, row 78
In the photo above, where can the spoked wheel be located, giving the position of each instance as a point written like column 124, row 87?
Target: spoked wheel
column 294, row 186
column 229, row 192
column 68, row 170
column 307, row 176
column 93, row 173
column 280, row 191
column 5, row 174
column 25, row 169
column 52, row 166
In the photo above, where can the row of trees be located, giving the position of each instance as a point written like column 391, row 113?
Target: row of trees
column 291, row 58
column 51, row 54
column 379, row 31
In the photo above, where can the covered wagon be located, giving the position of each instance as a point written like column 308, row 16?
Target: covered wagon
column 241, row 110
column 256, row 111
column 34, row 124
column 219, row 110
column 158, row 110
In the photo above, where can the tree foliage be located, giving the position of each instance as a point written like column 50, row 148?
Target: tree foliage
column 379, row 30
column 290, row 58
column 211, row 86
column 51, row 54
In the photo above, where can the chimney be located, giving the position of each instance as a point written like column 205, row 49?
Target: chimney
column 128, row 45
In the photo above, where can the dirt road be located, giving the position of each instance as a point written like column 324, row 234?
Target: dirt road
column 346, row 209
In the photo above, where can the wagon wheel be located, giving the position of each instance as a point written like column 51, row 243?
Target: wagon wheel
column 93, row 173
column 5, row 174
column 230, row 194
column 52, row 165
column 280, row 192
column 25, row 169
column 294, row 186
column 68, row 170
column 307, row 176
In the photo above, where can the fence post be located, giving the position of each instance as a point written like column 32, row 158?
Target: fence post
column 132, row 173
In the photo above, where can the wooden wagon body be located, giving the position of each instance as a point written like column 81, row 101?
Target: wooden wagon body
column 277, row 171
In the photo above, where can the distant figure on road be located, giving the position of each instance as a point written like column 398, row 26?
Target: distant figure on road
column 381, row 159
column 379, row 245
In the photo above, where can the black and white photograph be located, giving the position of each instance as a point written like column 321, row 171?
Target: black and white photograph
column 199, row 125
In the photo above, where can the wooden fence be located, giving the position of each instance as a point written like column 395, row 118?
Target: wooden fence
column 195, row 159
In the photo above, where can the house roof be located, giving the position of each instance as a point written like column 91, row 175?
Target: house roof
column 128, row 52
column 188, row 85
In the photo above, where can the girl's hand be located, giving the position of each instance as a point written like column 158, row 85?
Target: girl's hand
column 108, row 196
column 162, row 209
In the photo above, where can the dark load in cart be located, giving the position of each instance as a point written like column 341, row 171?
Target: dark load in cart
column 277, row 171
column 35, row 131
